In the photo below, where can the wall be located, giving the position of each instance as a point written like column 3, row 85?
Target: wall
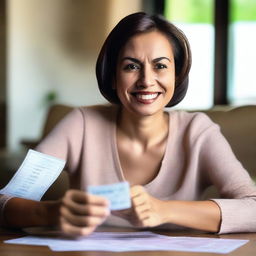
column 53, row 46
column 2, row 52
column 2, row 75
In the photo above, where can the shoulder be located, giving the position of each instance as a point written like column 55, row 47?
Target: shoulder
column 98, row 112
column 194, row 123
column 104, row 109
column 188, row 117
column 74, row 117
column 79, row 117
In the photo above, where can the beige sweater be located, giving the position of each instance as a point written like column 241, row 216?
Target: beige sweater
column 197, row 156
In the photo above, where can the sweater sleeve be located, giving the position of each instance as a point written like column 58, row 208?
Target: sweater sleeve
column 3, row 200
column 66, row 139
column 237, row 190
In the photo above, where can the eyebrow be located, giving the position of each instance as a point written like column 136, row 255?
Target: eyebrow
column 139, row 62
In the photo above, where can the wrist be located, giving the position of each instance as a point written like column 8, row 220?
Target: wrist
column 50, row 213
column 167, row 211
column 20, row 213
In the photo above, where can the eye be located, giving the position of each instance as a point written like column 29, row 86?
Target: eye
column 160, row 66
column 131, row 67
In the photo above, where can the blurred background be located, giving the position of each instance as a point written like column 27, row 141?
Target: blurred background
column 48, row 51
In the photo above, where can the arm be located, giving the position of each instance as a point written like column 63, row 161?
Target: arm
column 203, row 215
column 77, row 213
column 237, row 200
column 148, row 211
column 19, row 213
column 217, row 165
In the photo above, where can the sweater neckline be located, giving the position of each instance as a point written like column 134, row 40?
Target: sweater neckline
column 117, row 161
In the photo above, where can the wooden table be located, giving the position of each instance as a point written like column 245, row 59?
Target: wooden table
column 248, row 249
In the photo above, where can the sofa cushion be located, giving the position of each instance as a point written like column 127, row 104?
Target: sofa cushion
column 238, row 125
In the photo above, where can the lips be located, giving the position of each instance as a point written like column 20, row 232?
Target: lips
column 146, row 97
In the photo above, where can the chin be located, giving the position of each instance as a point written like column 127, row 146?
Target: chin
column 147, row 111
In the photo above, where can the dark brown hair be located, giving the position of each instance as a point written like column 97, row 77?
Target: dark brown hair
column 128, row 27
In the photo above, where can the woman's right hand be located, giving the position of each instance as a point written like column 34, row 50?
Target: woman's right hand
column 81, row 213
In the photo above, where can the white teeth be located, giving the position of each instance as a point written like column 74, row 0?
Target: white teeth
column 146, row 96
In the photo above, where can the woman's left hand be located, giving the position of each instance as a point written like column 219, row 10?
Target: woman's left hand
column 146, row 211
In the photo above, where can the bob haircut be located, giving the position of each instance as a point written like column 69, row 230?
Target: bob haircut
column 129, row 26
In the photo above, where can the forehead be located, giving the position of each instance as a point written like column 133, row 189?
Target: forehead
column 152, row 43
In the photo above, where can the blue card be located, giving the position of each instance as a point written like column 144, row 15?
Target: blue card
column 118, row 194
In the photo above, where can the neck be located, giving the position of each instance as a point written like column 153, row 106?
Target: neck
column 146, row 130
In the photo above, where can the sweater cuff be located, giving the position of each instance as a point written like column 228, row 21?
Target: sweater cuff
column 237, row 215
column 3, row 200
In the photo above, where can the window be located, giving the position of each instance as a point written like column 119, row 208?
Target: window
column 195, row 19
column 242, row 52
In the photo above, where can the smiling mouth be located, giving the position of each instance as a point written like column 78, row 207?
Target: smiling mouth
column 146, row 97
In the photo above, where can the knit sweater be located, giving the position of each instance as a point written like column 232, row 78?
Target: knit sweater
column 196, row 157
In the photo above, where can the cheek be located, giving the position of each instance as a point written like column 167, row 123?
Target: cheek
column 122, row 86
column 124, row 81
column 168, row 80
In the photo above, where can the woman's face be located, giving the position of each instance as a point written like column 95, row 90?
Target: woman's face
column 145, row 76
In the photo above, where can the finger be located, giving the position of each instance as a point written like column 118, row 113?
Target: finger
column 81, row 220
column 137, row 190
column 143, row 215
column 97, row 200
column 143, row 218
column 83, row 198
column 69, row 229
column 146, row 222
column 142, row 208
column 140, row 199
column 86, row 209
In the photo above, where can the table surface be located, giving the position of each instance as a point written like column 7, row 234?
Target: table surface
column 248, row 249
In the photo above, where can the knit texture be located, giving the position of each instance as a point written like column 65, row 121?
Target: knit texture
column 197, row 156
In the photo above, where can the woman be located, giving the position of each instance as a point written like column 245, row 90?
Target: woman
column 168, row 157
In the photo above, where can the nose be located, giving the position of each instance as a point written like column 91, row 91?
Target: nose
column 147, row 77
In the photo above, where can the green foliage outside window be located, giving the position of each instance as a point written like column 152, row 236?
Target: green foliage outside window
column 243, row 10
column 202, row 11
column 189, row 11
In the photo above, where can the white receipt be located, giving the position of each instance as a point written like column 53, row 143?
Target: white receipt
column 133, row 241
column 118, row 194
column 35, row 175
